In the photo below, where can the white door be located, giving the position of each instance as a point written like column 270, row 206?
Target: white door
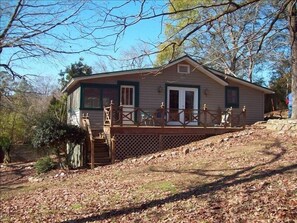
column 128, row 103
column 183, row 106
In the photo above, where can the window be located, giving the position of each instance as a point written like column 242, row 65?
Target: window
column 91, row 97
column 232, row 97
column 98, row 96
column 108, row 95
column 183, row 68
column 127, row 94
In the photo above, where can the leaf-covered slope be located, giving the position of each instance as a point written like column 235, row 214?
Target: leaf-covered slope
column 249, row 176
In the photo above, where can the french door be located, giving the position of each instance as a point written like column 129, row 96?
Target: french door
column 182, row 103
column 128, row 102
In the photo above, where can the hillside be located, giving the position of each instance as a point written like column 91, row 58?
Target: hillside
column 248, row 176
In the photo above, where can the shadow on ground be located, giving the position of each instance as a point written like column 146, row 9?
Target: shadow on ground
column 242, row 175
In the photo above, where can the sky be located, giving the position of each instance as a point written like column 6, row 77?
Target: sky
column 148, row 31
column 145, row 31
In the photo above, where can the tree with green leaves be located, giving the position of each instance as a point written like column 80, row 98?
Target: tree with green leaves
column 58, row 108
column 76, row 69
column 21, row 103
column 53, row 135
column 15, row 120
column 17, row 109
column 280, row 82
column 5, row 146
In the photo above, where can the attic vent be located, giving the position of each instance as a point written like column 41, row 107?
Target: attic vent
column 183, row 68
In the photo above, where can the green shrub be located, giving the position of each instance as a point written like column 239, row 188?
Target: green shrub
column 5, row 145
column 44, row 165
column 54, row 135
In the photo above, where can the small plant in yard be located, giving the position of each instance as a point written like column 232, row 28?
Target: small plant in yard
column 76, row 206
column 165, row 186
column 44, row 165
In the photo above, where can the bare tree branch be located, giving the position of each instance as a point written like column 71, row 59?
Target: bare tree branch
column 274, row 20
column 12, row 19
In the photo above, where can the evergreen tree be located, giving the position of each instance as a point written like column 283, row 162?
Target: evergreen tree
column 76, row 69
column 280, row 82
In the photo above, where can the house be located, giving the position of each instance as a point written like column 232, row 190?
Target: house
column 191, row 97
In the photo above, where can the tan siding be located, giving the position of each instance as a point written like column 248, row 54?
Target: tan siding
column 73, row 114
column 211, row 92
column 149, row 97
column 254, row 102
column 76, row 99
column 96, row 118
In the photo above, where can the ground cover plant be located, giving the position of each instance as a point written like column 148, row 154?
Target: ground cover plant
column 248, row 176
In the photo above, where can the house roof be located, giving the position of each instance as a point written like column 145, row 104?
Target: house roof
column 241, row 81
column 217, row 76
column 76, row 80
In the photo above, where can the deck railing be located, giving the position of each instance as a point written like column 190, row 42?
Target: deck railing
column 127, row 116
column 89, row 140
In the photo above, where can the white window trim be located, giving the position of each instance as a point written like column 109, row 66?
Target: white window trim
column 183, row 65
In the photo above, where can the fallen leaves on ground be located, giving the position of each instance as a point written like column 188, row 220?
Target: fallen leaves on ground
column 248, row 176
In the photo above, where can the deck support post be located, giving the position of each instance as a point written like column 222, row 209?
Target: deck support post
column 111, row 113
column 244, row 116
column 121, row 114
column 231, row 117
column 162, row 107
column 87, row 126
column 112, row 150
column 205, row 114
column 92, row 155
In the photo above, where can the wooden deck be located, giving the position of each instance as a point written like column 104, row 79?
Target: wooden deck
column 138, row 131
column 166, row 117
column 133, row 141
column 216, row 130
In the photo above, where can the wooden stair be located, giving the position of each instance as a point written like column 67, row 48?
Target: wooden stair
column 101, row 152
column 97, row 153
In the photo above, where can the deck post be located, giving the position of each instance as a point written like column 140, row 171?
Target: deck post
column 87, row 126
column 244, row 116
column 111, row 113
column 112, row 150
column 231, row 116
column 92, row 155
column 162, row 107
column 121, row 114
column 205, row 114
column 92, row 147
column 160, row 142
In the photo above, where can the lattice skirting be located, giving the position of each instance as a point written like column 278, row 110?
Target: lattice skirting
column 133, row 145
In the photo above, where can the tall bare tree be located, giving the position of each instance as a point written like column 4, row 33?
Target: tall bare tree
column 32, row 30
column 270, row 15
column 128, row 59
column 230, row 43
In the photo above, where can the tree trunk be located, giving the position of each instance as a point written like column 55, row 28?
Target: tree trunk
column 57, row 151
column 7, row 157
column 292, row 17
column 6, row 151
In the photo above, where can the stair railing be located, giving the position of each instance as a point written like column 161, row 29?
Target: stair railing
column 87, row 126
